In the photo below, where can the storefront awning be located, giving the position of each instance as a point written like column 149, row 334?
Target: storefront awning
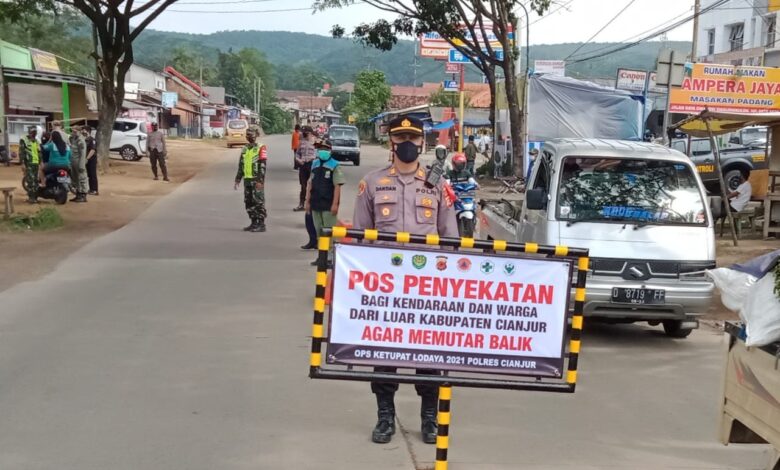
column 724, row 123
column 443, row 126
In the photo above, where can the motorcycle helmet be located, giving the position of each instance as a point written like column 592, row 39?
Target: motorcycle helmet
column 459, row 161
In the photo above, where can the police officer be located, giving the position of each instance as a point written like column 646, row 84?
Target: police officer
column 251, row 168
column 396, row 199
column 30, row 156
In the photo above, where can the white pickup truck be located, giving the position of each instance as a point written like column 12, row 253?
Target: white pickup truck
column 640, row 209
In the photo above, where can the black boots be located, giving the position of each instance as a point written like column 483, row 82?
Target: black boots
column 80, row 197
column 385, row 424
column 258, row 225
column 428, row 411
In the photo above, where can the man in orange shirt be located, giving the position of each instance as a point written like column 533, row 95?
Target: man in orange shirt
column 296, row 142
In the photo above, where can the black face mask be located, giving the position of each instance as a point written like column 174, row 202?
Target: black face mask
column 407, row 151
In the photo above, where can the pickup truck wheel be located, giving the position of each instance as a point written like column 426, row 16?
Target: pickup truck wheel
column 129, row 154
column 673, row 329
column 356, row 160
column 732, row 179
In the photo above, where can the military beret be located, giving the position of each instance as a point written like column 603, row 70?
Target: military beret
column 405, row 125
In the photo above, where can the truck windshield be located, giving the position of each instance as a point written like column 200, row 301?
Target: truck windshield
column 343, row 135
column 644, row 192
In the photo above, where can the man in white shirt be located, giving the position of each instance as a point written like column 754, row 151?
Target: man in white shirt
column 740, row 197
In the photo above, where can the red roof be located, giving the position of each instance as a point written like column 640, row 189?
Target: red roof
column 186, row 80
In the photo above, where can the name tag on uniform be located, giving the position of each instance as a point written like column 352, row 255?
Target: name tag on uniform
column 327, row 175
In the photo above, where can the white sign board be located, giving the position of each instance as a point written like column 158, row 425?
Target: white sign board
column 553, row 67
column 447, row 310
column 634, row 80
column 131, row 90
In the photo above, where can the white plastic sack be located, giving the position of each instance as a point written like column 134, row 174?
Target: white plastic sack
column 761, row 312
column 734, row 287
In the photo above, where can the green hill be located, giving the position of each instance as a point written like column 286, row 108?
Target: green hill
column 342, row 58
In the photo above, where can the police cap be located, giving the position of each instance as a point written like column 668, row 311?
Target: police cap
column 405, row 125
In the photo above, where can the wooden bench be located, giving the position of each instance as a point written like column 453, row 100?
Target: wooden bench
column 749, row 215
column 8, row 195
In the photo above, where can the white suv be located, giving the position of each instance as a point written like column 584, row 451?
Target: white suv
column 129, row 139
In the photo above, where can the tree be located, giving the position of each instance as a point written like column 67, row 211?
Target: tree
column 113, row 53
column 72, row 47
column 464, row 24
column 370, row 97
column 191, row 63
column 445, row 99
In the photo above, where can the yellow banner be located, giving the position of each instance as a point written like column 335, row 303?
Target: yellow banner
column 44, row 61
column 727, row 88
column 774, row 5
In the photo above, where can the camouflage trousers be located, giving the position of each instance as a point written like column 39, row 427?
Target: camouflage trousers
column 31, row 180
column 254, row 201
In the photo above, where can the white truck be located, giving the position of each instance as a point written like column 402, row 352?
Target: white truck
column 642, row 211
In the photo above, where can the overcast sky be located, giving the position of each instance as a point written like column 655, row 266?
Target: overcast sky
column 566, row 21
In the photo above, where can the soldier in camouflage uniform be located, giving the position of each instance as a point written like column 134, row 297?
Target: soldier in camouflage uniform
column 251, row 168
column 30, row 156
column 78, row 163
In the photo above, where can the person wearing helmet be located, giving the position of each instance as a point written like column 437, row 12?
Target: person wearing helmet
column 251, row 169
column 30, row 157
column 459, row 172
column 323, row 193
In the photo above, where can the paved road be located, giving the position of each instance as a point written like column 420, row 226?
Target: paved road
column 179, row 342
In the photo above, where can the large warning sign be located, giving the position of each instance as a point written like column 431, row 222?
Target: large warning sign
column 448, row 310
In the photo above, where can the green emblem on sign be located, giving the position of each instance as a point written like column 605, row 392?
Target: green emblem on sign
column 419, row 261
column 487, row 267
column 509, row 269
column 397, row 259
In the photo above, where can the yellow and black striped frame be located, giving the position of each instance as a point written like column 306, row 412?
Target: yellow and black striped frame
column 567, row 385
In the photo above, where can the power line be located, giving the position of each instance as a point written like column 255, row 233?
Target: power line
column 216, row 2
column 213, row 12
column 548, row 14
column 631, row 38
column 651, row 36
column 631, row 2
column 280, row 10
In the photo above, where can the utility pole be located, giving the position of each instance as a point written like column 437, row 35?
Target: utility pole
column 415, row 64
column 200, row 93
column 695, row 42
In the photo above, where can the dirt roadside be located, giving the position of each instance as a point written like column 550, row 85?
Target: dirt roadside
column 125, row 192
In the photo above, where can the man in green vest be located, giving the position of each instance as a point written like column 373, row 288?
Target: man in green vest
column 30, row 156
column 251, row 168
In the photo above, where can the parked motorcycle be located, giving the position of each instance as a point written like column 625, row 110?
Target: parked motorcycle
column 58, row 186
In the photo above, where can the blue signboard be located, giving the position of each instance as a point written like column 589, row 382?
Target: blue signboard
column 456, row 57
column 450, row 85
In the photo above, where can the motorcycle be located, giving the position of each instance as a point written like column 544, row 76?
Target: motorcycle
column 58, row 186
column 465, row 206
